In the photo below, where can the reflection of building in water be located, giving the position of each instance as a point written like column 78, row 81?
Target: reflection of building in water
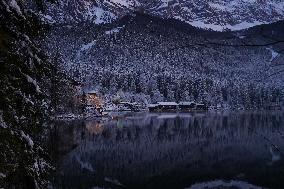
column 119, row 124
column 92, row 101
column 94, row 127
column 73, row 132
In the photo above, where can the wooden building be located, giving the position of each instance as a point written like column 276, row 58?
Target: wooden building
column 168, row 106
column 174, row 107
column 187, row 106
column 163, row 107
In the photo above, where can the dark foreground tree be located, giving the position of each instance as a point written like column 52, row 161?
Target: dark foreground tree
column 24, row 78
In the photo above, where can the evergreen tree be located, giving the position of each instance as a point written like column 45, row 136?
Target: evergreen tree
column 24, row 91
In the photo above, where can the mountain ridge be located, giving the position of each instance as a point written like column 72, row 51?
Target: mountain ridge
column 218, row 15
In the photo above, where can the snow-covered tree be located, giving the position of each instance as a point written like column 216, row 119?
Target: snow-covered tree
column 24, row 104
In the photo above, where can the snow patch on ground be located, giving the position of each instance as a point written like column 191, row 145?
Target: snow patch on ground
column 48, row 19
column 124, row 3
column 85, row 47
column 88, row 46
column 114, row 30
column 220, row 7
column 274, row 54
column 165, row 3
column 222, row 184
column 101, row 16
column 215, row 27
column 279, row 7
column 179, row 18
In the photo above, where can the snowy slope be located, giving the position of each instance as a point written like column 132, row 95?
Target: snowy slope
column 217, row 15
column 220, row 15
column 73, row 11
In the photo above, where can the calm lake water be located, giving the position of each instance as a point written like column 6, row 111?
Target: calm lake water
column 211, row 150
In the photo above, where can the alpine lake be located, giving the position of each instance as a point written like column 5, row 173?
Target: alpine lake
column 230, row 150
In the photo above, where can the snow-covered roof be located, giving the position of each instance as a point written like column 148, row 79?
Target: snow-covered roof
column 167, row 103
column 92, row 92
column 125, row 103
column 152, row 105
column 200, row 104
column 186, row 103
column 130, row 103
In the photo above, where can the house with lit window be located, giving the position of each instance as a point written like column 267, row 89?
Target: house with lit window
column 94, row 101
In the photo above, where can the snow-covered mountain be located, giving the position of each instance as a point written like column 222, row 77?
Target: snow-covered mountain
column 150, row 58
column 221, row 14
column 74, row 11
column 217, row 15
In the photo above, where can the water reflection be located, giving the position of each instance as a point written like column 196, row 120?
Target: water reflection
column 171, row 151
column 94, row 127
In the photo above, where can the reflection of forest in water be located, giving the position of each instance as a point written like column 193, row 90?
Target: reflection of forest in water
column 171, row 150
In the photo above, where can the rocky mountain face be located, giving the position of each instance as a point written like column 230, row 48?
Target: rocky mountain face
column 217, row 15
column 220, row 14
